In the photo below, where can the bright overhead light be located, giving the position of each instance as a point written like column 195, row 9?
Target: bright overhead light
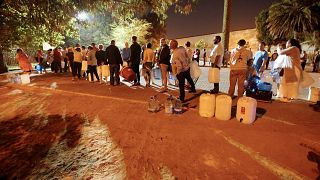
column 82, row 16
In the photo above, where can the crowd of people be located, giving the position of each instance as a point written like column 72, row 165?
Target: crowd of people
column 88, row 62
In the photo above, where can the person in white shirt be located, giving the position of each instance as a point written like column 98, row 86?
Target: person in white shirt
column 216, row 57
column 189, row 51
column 76, row 71
column 181, row 68
column 238, row 68
column 148, row 60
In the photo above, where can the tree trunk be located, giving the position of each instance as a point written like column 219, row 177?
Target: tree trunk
column 3, row 66
column 226, row 23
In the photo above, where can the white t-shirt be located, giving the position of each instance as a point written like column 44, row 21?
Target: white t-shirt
column 216, row 51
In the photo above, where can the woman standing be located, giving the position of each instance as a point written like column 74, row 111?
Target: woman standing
column 23, row 61
column 148, row 60
column 289, row 85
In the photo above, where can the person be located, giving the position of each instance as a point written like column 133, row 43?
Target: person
column 181, row 67
column 260, row 58
column 316, row 62
column 70, row 58
column 94, row 47
column 92, row 63
column 204, row 57
column 216, row 57
column 304, row 58
column 114, row 60
column 226, row 58
column 76, row 70
column 84, row 52
column 273, row 57
column 126, row 53
column 23, row 61
column 196, row 55
column 238, row 68
column 289, row 85
column 135, row 49
column 147, row 61
column 101, row 56
column 40, row 60
column 164, row 62
column 50, row 59
column 57, row 58
column 64, row 62
column 189, row 51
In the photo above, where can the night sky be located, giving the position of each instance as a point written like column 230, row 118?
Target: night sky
column 207, row 17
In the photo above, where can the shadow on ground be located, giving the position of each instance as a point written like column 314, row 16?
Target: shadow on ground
column 24, row 142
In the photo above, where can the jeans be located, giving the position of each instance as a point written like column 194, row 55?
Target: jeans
column 76, row 70
column 93, row 70
column 181, row 78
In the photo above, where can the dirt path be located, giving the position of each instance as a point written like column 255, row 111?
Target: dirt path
column 85, row 131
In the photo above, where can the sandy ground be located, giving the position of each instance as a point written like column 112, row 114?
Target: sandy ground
column 82, row 130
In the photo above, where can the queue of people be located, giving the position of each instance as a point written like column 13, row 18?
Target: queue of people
column 174, row 59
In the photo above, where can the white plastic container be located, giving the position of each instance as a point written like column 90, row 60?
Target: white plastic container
column 214, row 75
column 246, row 110
column 314, row 94
column 207, row 105
column 223, row 107
column 25, row 79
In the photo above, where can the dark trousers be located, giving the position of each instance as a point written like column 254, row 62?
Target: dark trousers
column 135, row 69
column 76, row 70
column 303, row 65
column 93, row 70
column 56, row 66
column 114, row 74
column 215, row 89
column 181, row 78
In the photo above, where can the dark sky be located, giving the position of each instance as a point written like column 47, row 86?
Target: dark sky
column 206, row 18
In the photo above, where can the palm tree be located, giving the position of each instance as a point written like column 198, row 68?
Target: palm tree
column 226, row 23
column 290, row 17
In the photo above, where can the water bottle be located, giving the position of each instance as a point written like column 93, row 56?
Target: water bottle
column 178, row 106
column 169, row 105
column 153, row 105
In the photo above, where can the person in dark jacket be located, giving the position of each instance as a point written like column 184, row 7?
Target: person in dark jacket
column 164, row 62
column 114, row 60
column 101, row 60
column 135, row 59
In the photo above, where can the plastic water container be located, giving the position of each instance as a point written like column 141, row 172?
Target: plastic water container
column 214, row 75
column 169, row 105
column 223, row 107
column 207, row 105
column 246, row 110
column 314, row 94
column 177, row 106
column 25, row 79
column 153, row 104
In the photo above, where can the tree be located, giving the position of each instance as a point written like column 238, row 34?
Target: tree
column 226, row 23
column 290, row 17
column 201, row 44
column 123, row 30
column 262, row 30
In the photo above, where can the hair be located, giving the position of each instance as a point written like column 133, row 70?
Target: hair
column 134, row 38
column 90, row 47
column 113, row 42
column 218, row 38
column 93, row 44
column 295, row 43
column 263, row 43
column 83, row 47
column 242, row 42
column 149, row 45
column 175, row 42
column 100, row 46
column 188, row 44
column 19, row 50
column 78, row 49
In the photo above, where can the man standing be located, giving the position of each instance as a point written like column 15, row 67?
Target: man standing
column 180, row 67
column 189, row 51
column 101, row 60
column 135, row 59
column 114, row 60
column 164, row 61
column 216, row 57
column 260, row 58
column 126, row 54
column 204, row 57
column 238, row 68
